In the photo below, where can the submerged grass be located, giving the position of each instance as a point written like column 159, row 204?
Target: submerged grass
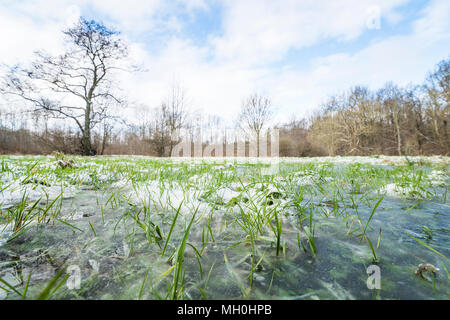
column 188, row 223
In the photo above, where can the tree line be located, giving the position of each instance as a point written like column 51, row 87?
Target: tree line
column 393, row 120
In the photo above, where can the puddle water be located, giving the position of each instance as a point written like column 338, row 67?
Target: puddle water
column 109, row 242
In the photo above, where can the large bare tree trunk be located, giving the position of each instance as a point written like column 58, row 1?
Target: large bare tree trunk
column 86, row 138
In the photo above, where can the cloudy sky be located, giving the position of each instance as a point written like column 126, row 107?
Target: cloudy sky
column 296, row 51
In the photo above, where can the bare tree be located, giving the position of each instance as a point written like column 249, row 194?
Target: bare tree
column 392, row 98
column 167, row 119
column 77, row 85
column 437, row 87
column 174, row 112
column 159, row 132
column 254, row 115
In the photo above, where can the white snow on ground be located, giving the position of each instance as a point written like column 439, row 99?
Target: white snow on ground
column 305, row 178
column 227, row 194
column 230, row 160
column 14, row 186
column 337, row 159
column 437, row 177
column 166, row 197
column 120, row 184
column 395, row 190
column 14, row 194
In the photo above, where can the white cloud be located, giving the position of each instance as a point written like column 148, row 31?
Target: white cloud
column 403, row 59
column 132, row 16
column 257, row 31
column 22, row 35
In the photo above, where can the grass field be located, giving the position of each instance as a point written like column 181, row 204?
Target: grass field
column 151, row 228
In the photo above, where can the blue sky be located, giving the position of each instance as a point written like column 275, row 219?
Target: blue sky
column 296, row 51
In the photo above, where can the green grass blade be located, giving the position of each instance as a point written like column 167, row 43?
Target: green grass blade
column 428, row 247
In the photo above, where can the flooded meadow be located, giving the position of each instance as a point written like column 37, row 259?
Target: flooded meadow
column 122, row 227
